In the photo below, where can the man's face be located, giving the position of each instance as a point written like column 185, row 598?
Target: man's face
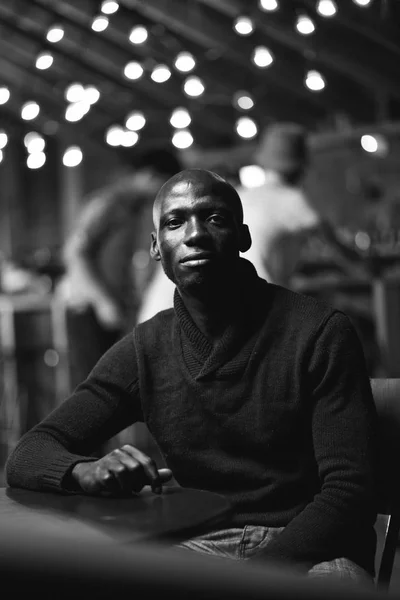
column 198, row 237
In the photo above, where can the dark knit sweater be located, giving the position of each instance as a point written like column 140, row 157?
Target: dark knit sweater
column 277, row 415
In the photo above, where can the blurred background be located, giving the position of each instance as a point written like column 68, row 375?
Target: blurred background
column 87, row 87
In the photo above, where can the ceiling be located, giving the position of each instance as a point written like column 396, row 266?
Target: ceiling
column 357, row 51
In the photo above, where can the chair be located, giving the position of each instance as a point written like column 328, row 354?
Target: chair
column 386, row 394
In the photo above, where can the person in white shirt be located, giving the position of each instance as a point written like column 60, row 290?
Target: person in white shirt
column 278, row 212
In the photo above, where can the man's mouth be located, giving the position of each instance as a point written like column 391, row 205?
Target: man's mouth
column 197, row 259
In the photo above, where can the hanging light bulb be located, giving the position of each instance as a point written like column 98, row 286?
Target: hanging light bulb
column 99, row 23
column 55, row 34
column 180, row 118
column 268, row 5
column 182, row 139
column 243, row 26
column 185, row 62
column 44, row 61
column 262, row 57
column 314, row 81
column 193, row 86
column 35, row 160
column 160, row 73
column 138, row 35
column 3, row 139
column 135, row 121
column 326, row 8
column 133, row 70
column 4, row 94
column 243, row 100
column 30, row 110
column 246, row 127
column 109, row 7
column 305, row 25
column 72, row 156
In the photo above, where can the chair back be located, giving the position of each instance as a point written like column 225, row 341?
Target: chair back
column 386, row 394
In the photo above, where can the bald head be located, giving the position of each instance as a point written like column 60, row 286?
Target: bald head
column 202, row 183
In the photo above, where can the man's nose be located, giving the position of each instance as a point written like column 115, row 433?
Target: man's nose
column 195, row 231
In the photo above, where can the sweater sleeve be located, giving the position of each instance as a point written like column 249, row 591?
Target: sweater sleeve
column 101, row 406
column 344, row 426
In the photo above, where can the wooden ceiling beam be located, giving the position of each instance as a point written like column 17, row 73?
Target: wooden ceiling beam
column 208, row 36
column 113, row 38
column 283, row 84
column 370, row 79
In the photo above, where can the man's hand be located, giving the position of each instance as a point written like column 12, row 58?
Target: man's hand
column 121, row 472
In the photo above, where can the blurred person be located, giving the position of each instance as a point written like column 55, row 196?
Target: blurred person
column 250, row 390
column 278, row 212
column 99, row 289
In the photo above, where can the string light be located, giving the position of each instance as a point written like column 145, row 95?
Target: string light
column 99, row 23
column 326, row 8
column 246, row 127
column 376, row 144
column 4, row 95
column 193, row 86
column 129, row 138
column 92, row 94
column 160, row 73
column 55, row 34
column 305, row 25
column 74, row 92
column 262, row 57
column 44, row 61
column 30, row 110
column 314, row 81
column 182, row 139
column 185, row 62
column 180, row 118
column 77, row 110
column 243, row 26
column 114, row 135
column 138, row 35
column 34, row 142
column 72, row 156
column 135, row 121
column 243, row 100
column 1, row 156
column 109, row 7
column 3, row 139
column 268, row 5
column 251, row 176
column 133, row 70
column 362, row 2
column 35, row 160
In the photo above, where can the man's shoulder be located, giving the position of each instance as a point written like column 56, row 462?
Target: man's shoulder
column 301, row 306
column 153, row 330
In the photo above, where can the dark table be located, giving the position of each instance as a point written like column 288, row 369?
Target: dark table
column 172, row 516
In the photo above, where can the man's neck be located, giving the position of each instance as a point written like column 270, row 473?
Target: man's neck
column 211, row 313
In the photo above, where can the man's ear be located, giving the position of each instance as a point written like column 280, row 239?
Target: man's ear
column 245, row 239
column 154, row 251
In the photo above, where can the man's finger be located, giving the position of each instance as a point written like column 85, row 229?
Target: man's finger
column 165, row 475
column 148, row 465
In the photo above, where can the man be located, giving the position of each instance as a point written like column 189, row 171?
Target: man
column 250, row 390
column 99, row 289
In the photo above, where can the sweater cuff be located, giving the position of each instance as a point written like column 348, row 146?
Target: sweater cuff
column 58, row 474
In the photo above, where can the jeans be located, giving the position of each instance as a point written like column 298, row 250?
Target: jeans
column 245, row 542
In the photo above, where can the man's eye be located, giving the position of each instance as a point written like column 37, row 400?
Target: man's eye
column 217, row 219
column 173, row 223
